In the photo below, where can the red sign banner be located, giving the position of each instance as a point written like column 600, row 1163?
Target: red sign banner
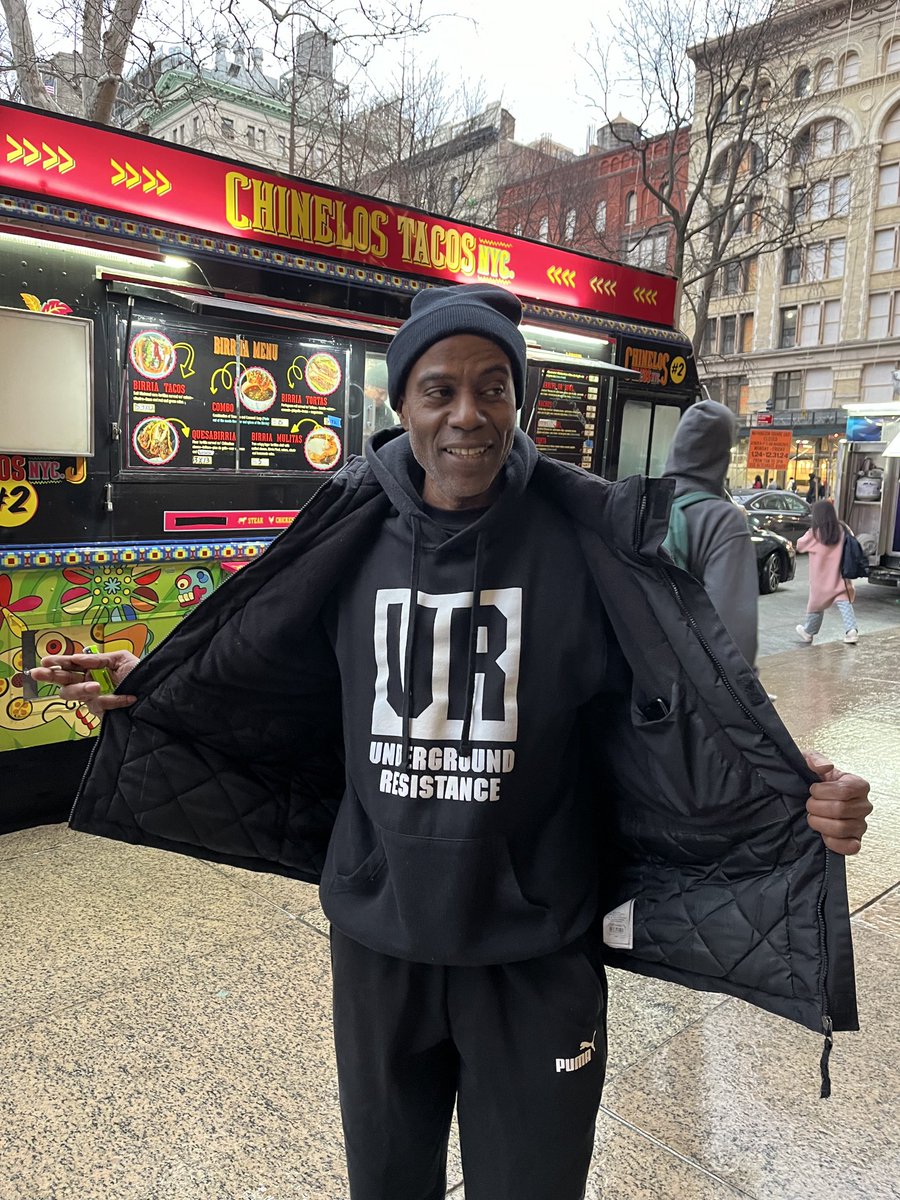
column 74, row 161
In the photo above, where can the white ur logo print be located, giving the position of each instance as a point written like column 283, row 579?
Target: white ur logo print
column 440, row 664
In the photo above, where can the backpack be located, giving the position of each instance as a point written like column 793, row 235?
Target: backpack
column 676, row 542
column 854, row 561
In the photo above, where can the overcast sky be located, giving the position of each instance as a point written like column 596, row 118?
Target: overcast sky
column 527, row 55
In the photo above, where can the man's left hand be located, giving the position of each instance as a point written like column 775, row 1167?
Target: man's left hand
column 838, row 806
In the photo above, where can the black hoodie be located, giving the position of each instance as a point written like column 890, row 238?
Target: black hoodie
column 466, row 834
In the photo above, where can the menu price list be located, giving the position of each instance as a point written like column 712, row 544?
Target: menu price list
column 206, row 400
column 564, row 425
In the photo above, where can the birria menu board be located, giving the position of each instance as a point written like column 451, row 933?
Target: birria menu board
column 564, row 423
column 201, row 398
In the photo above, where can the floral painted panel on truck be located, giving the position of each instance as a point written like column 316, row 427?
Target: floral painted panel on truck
column 64, row 611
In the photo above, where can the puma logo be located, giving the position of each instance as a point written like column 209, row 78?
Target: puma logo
column 586, row 1052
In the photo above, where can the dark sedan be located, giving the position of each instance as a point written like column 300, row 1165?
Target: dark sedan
column 776, row 559
column 779, row 512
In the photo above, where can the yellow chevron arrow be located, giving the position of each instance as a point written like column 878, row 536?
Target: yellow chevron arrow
column 67, row 161
column 134, row 177
column 118, row 172
column 187, row 367
column 52, row 158
column 164, row 185
column 33, row 153
column 17, row 152
column 150, row 180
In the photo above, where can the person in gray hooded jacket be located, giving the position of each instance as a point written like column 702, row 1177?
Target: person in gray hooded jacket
column 719, row 551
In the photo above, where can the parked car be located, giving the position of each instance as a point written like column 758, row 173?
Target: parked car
column 776, row 559
column 779, row 512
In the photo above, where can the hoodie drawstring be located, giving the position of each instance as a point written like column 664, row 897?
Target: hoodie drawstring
column 465, row 743
column 406, row 716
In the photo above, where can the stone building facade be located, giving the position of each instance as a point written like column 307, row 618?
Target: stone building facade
column 798, row 332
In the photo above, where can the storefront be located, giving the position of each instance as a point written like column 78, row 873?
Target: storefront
column 814, row 448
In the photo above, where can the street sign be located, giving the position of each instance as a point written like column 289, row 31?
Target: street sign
column 769, row 449
column 764, row 418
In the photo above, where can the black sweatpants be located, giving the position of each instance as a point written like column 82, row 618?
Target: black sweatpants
column 520, row 1047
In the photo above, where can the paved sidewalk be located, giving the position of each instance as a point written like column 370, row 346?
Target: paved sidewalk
column 167, row 1028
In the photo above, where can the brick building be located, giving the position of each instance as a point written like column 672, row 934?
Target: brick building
column 598, row 202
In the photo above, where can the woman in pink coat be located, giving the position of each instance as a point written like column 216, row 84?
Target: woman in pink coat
column 824, row 544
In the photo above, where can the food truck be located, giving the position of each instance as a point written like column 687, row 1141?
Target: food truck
column 867, row 492
column 191, row 345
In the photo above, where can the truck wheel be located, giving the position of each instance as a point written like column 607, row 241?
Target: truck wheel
column 770, row 574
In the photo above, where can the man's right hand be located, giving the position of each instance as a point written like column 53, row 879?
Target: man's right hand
column 72, row 674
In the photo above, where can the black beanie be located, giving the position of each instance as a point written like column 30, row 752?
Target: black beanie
column 438, row 313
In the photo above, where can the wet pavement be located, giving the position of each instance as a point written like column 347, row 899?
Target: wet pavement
column 167, row 1022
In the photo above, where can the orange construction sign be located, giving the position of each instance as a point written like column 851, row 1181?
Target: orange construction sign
column 769, row 449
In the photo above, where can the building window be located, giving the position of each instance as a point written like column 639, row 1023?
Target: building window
column 827, row 198
column 261, row 138
column 880, row 382
column 747, row 219
column 648, row 250
column 517, row 229
column 889, row 185
column 821, row 140
column 818, row 387
column 195, row 129
column 732, row 334
column 827, row 76
column 884, row 315
column 181, row 134
column 571, row 218
column 891, row 131
column 803, row 82
column 815, row 262
column 228, row 129
column 742, row 100
column 887, row 249
column 787, row 333
column 792, row 267
column 819, row 323
column 251, row 136
column 849, row 68
column 892, row 55
column 736, row 278
column 631, row 208
column 600, row 217
column 544, row 229
column 736, row 392
column 282, row 145
column 175, row 134
column 786, row 389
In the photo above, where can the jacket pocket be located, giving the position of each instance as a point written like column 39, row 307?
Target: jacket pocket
column 684, row 771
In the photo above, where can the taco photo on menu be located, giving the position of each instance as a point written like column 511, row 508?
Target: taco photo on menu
column 256, row 389
column 156, row 441
column 152, row 354
column 322, row 448
column 323, row 374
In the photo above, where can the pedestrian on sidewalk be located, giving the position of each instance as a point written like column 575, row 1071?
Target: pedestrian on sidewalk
column 824, row 543
column 708, row 533
column 464, row 694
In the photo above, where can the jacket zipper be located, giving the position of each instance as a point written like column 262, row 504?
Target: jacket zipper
column 84, row 774
column 827, row 1025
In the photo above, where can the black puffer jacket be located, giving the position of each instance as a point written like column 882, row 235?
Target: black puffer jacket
column 233, row 751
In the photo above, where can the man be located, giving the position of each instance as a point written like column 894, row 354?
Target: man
column 462, row 695
column 708, row 533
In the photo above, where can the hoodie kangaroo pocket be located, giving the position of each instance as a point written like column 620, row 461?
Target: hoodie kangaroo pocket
column 447, row 900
